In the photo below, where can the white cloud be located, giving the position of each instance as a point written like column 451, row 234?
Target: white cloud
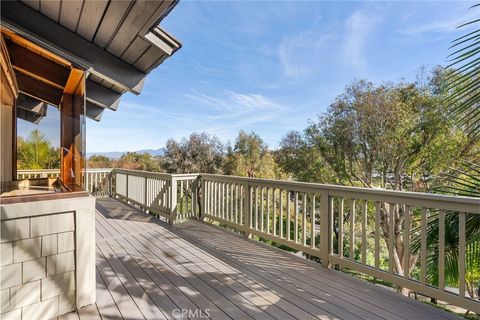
column 299, row 52
column 358, row 27
column 227, row 112
column 446, row 23
column 236, row 103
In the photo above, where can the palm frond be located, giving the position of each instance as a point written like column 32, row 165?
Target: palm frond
column 465, row 97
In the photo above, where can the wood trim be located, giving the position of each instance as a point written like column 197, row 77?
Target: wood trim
column 43, row 197
column 35, row 48
column 14, row 141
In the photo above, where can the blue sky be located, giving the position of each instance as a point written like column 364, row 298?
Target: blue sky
column 271, row 66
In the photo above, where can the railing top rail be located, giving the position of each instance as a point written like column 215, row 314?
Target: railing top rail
column 37, row 170
column 25, row 171
column 447, row 202
column 160, row 175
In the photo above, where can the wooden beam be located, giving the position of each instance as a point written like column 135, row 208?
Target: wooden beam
column 29, row 116
column 102, row 96
column 44, row 69
column 94, row 112
column 38, row 89
column 46, row 33
column 31, row 104
column 74, row 80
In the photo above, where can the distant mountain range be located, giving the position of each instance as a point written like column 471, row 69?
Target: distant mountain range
column 117, row 154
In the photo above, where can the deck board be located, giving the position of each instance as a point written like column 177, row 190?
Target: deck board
column 147, row 269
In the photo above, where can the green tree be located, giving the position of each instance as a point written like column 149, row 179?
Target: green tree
column 303, row 163
column 250, row 157
column 395, row 136
column 137, row 161
column 37, row 152
column 99, row 161
column 200, row 153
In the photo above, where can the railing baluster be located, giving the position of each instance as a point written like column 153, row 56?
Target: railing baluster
column 145, row 195
column 281, row 213
column 364, row 232
column 340, row 227
column 225, row 200
column 223, row 209
column 261, row 208
column 352, row 230
column 296, row 216
column 406, row 239
column 181, row 198
column 256, row 208
column 304, row 219
column 268, row 210
column 313, row 218
column 242, row 192
column 423, row 248
column 275, row 212
column 289, row 200
column 441, row 250
column 232, row 201
column 461, row 254
column 377, row 235
column 391, row 237
column 325, row 230
column 210, row 197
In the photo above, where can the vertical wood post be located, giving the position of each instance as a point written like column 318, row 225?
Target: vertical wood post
column 110, row 183
column 126, row 187
column 325, row 236
column 203, row 199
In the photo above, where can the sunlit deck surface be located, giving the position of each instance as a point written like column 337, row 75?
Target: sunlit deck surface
column 147, row 269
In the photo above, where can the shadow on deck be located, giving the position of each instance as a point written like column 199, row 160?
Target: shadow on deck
column 147, row 269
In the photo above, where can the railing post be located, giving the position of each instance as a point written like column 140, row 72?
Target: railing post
column 145, row 193
column 248, row 210
column 126, row 187
column 325, row 236
column 113, row 188
column 173, row 200
column 109, row 180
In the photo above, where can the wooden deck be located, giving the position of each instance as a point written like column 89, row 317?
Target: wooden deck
column 147, row 269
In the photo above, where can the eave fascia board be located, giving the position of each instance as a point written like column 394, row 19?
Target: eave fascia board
column 162, row 40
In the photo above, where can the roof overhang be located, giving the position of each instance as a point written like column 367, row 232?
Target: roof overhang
column 117, row 42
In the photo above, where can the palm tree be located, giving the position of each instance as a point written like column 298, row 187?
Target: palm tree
column 459, row 181
column 36, row 152
column 464, row 102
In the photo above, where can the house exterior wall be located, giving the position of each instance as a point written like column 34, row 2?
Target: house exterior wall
column 47, row 257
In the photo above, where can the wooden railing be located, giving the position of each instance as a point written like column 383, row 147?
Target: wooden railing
column 355, row 228
column 173, row 197
column 97, row 181
column 380, row 233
